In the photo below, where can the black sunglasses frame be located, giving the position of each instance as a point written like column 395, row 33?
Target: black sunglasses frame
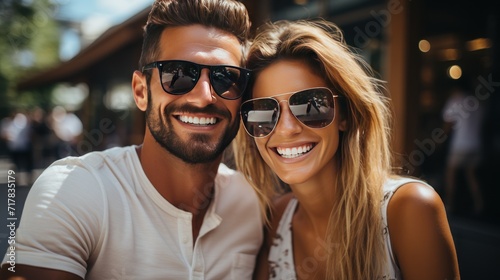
column 244, row 74
column 242, row 112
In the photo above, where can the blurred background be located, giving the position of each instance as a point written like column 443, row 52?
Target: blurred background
column 66, row 67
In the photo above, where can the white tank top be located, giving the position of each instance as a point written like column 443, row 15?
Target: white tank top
column 281, row 264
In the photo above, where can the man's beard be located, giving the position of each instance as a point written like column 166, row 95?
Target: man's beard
column 198, row 148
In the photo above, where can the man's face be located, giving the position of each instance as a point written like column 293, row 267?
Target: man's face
column 197, row 126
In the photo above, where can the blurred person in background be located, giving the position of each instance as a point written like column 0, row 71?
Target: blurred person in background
column 41, row 144
column 67, row 128
column 464, row 115
column 16, row 132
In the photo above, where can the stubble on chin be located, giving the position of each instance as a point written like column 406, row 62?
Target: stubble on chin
column 197, row 148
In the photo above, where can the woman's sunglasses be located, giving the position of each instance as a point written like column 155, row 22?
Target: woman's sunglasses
column 314, row 107
column 179, row 77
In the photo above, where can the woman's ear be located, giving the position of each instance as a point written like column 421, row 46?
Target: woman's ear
column 140, row 90
column 342, row 119
column 343, row 124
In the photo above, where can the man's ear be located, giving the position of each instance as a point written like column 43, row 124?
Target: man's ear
column 140, row 90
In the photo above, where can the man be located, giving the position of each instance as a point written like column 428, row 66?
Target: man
column 166, row 209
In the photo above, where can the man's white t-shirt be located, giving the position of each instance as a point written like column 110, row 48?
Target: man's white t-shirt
column 99, row 217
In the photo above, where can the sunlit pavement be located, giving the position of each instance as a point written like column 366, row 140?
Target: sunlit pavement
column 477, row 242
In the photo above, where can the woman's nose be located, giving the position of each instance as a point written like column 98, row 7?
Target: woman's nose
column 287, row 123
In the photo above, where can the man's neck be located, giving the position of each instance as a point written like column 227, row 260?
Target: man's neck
column 189, row 187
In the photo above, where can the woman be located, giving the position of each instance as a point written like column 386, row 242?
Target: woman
column 319, row 121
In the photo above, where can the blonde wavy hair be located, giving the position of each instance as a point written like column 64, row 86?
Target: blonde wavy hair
column 364, row 156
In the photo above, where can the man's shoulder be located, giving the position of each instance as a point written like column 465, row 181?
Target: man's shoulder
column 95, row 159
column 234, row 184
column 228, row 176
column 114, row 154
column 236, row 199
column 82, row 170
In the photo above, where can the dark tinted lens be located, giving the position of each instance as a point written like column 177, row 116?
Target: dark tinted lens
column 259, row 116
column 313, row 107
column 228, row 82
column 179, row 77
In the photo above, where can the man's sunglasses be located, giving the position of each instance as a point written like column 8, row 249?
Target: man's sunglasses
column 179, row 77
column 314, row 107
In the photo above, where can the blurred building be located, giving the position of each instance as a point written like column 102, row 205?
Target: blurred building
column 419, row 47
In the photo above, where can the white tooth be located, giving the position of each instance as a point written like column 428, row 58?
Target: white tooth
column 197, row 120
column 293, row 152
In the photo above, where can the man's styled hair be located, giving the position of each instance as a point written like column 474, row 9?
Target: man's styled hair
column 226, row 15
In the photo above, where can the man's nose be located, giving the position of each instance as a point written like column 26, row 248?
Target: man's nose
column 202, row 95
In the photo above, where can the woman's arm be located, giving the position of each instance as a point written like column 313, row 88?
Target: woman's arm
column 420, row 234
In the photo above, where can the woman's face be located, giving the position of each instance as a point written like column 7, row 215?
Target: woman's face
column 315, row 147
